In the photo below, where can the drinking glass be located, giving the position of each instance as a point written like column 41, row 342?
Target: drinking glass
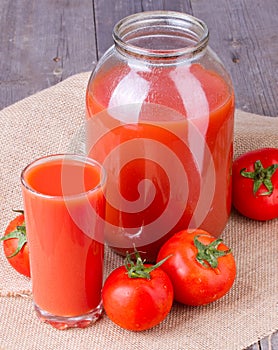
column 64, row 205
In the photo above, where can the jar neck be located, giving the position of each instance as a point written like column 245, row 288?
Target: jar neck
column 158, row 35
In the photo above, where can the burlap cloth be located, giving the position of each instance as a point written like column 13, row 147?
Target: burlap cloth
column 45, row 123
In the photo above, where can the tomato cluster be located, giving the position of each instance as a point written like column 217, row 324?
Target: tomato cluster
column 193, row 268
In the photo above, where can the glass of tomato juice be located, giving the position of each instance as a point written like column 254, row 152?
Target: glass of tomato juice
column 64, row 205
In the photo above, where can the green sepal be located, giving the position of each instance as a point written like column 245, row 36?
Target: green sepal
column 137, row 269
column 20, row 234
column 261, row 176
column 208, row 254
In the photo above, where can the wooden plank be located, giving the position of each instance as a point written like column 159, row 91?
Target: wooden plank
column 270, row 343
column 111, row 11
column 168, row 5
column 43, row 42
column 267, row 343
column 244, row 34
column 107, row 13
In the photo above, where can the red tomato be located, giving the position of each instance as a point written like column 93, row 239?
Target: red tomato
column 137, row 299
column 202, row 269
column 255, row 184
column 15, row 245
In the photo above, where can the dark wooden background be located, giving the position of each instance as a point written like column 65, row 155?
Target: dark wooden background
column 42, row 42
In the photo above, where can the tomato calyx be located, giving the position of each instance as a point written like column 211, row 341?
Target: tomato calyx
column 261, row 176
column 19, row 233
column 208, row 254
column 137, row 269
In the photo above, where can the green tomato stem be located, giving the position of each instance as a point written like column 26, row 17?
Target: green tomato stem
column 20, row 234
column 208, row 254
column 261, row 176
column 137, row 269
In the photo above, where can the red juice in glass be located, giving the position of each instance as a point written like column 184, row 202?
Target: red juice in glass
column 160, row 117
column 64, row 208
column 200, row 148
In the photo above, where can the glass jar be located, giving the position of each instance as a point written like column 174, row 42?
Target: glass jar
column 160, row 115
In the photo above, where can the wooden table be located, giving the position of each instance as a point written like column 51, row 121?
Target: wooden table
column 45, row 41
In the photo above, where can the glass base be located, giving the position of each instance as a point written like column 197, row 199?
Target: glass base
column 62, row 323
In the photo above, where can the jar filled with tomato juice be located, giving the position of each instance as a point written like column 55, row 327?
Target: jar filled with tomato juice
column 160, row 115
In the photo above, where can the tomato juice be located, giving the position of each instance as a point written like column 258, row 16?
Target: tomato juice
column 65, row 237
column 165, row 137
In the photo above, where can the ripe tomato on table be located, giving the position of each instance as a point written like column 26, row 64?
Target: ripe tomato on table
column 202, row 269
column 137, row 296
column 15, row 245
column 255, row 184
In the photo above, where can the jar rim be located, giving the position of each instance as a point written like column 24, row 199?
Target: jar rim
column 176, row 22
